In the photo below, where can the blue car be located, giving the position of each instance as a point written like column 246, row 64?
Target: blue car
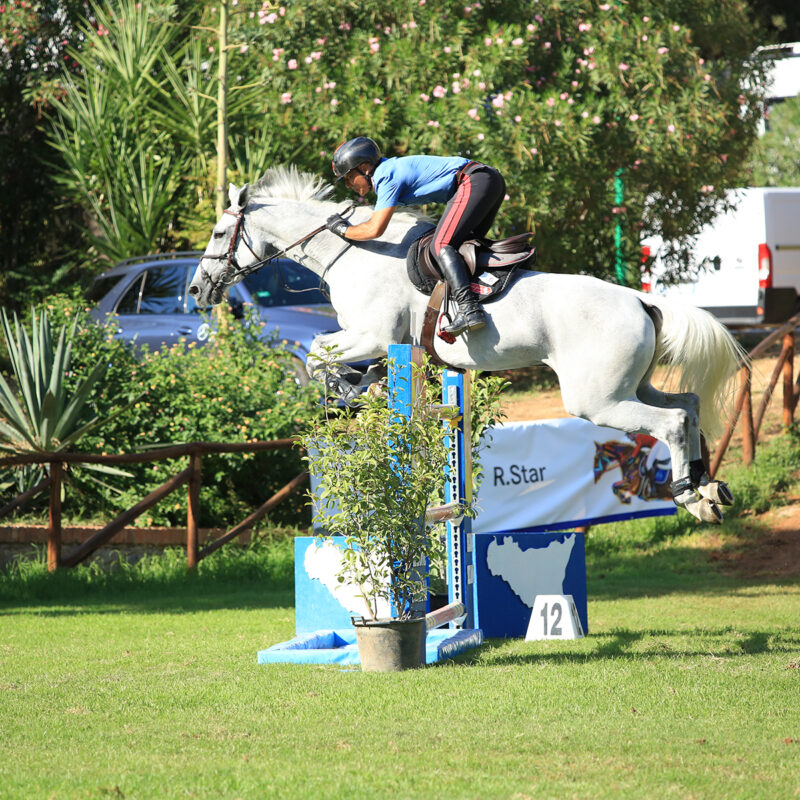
column 149, row 299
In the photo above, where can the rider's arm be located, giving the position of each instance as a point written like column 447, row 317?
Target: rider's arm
column 374, row 227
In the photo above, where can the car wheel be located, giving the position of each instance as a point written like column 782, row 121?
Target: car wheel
column 301, row 375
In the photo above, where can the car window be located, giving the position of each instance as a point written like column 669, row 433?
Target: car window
column 100, row 287
column 130, row 300
column 164, row 290
column 268, row 288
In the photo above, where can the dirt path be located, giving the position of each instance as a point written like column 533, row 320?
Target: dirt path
column 771, row 548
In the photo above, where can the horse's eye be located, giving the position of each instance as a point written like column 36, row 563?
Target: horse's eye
column 218, row 234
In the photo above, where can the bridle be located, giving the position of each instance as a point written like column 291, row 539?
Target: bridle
column 233, row 270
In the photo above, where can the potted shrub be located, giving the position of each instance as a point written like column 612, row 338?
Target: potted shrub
column 378, row 472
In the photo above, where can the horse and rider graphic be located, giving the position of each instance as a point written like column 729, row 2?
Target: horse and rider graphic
column 644, row 465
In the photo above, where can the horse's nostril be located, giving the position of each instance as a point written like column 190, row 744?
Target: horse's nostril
column 194, row 291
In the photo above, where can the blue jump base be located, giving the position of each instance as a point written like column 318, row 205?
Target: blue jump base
column 339, row 647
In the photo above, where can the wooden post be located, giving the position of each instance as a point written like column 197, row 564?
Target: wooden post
column 54, row 521
column 193, row 512
column 748, row 432
column 788, row 380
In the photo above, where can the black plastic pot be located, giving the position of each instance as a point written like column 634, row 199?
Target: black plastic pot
column 390, row 645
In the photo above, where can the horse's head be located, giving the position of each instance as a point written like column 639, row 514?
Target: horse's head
column 227, row 254
column 283, row 204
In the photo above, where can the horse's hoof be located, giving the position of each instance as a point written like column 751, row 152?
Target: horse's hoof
column 700, row 507
column 717, row 492
column 705, row 510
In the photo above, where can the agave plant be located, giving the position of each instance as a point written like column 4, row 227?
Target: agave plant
column 44, row 414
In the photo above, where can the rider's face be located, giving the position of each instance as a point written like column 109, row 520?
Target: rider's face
column 358, row 181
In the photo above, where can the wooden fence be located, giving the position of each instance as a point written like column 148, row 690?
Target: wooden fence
column 192, row 476
column 194, row 451
column 743, row 405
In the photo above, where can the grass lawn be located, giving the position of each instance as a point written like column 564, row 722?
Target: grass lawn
column 145, row 686
column 687, row 686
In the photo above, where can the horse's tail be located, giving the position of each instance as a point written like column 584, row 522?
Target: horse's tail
column 705, row 353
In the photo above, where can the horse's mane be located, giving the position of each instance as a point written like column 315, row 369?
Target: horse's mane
column 289, row 183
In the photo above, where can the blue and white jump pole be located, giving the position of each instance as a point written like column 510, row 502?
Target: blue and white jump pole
column 407, row 392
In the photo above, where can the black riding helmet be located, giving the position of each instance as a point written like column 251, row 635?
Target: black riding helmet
column 354, row 152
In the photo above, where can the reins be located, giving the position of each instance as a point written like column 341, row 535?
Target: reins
column 233, row 270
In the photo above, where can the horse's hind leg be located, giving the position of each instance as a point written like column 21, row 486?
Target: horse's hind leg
column 716, row 491
column 670, row 425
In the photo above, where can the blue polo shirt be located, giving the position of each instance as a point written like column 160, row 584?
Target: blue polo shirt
column 414, row 180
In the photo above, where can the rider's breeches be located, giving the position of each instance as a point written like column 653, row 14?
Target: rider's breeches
column 470, row 212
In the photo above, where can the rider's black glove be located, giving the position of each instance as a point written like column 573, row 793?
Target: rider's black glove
column 337, row 224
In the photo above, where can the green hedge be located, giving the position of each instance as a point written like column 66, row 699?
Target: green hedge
column 234, row 389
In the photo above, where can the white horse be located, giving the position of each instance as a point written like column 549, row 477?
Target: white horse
column 602, row 340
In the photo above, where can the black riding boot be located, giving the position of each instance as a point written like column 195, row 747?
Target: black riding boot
column 470, row 315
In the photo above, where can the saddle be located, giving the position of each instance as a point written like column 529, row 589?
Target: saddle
column 492, row 264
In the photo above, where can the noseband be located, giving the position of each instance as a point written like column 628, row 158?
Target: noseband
column 233, row 270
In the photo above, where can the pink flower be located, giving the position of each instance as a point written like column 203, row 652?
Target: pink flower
column 433, row 123
column 534, row 151
column 487, row 41
column 585, row 114
column 516, row 42
column 481, row 137
column 645, row 19
column 377, row 101
column 473, row 112
column 447, row 49
column 605, row 7
column 292, row 63
column 557, row 123
column 286, row 97
column 585, row 26
column 676, row 28
column 518, row 118
column 623, row 67
column 633, row 117
column 596, row 120
column 671, row 128
column 455, row 88
column 439, row 91
column 334, row 102
column 424, row 97
column 564, row 95
column 345, row 26
column 498, row 101
column 551, row 101
column 547, row 45
column 531, row 27
column 662, row 50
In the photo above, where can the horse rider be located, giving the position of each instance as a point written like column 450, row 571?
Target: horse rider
column 473, row 193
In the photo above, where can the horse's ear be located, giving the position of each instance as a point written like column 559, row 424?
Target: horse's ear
column 238, row 197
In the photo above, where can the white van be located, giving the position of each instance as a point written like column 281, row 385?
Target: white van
column 752, row 272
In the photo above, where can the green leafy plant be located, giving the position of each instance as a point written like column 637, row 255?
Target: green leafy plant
column 45, row 414
column 378, row 472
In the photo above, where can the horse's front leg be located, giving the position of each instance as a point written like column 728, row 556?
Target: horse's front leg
column 330, row 354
